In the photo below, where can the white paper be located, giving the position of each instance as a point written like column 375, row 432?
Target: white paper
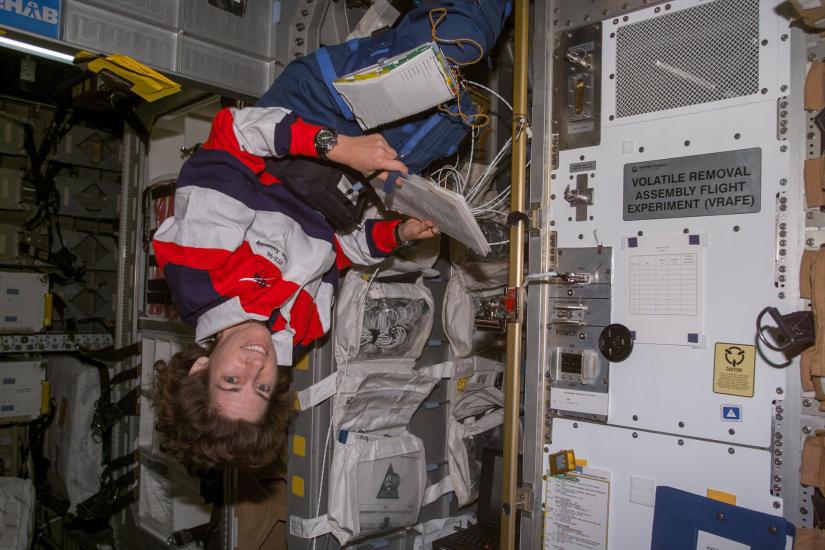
column 576, row 510
column 579, row 401
column 665, row 290
column 709, row 541
column 414, row 86
column 424, row 200
column 643, row 491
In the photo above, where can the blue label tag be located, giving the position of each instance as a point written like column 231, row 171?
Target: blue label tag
column 36, row 16
column 732, row 413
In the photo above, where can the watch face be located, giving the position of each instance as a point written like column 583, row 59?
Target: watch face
column 325, row 140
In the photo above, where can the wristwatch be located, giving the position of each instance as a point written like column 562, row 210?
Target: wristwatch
column 398, row 242
column 325, row 140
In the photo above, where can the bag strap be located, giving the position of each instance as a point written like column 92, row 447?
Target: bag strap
column 439, row 370
column 437, row 490
column 318, row 392
column 309, row 528
column 328, row 72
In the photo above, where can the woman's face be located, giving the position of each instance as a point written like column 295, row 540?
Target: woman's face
column 243, row 371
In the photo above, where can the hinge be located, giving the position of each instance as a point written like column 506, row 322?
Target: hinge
column 535, row 216
column 524, row 498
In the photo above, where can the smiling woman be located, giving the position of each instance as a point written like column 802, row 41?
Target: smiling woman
column 224, row 405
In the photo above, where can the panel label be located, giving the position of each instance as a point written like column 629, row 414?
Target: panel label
column 733, row 371
column 586, row 166
column 714, row 184
column 709, row 541
column 731, row 413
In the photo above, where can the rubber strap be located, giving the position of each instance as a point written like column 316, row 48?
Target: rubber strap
column 328, row 71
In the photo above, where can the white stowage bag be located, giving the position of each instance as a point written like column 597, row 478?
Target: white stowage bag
column 465, row 444
column 375, row 485
column 381, row 321
column 74, row 454
column 475, row 386
column 16, row 513
column 379, row 401
column 459, row 312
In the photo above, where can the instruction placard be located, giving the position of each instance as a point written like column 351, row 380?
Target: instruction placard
column 714, row 184
column 576, row 510
column 734, row 366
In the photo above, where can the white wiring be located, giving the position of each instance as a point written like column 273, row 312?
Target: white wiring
column 483, row 87
column 388, row 323
column 323, row 471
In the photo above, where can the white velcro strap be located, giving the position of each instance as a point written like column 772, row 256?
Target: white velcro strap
column 481, row 425
column 439, row 370
column 308, row 528
column 318, row 392
column 437, row 490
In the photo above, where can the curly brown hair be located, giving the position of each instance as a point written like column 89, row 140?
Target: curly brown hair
column 195, row 433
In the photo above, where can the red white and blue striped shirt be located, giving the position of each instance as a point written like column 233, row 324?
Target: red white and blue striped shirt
column 241, row 246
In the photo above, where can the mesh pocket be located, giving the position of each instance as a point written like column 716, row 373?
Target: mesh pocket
column 389, row 327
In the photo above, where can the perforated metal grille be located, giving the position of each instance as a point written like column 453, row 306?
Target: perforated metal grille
column 702, row 54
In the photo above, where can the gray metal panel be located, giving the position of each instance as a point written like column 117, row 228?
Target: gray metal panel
column 165, row 13
column 105, row 31
column 532, row 521
column 253, row 32
column 216, row 65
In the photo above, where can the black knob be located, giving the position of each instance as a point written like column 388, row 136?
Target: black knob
column 616, row 343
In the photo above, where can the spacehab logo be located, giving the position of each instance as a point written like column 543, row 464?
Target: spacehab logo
column 30, row 9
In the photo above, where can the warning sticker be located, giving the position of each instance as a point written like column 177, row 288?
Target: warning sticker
column 715, row 184
column 733, row 369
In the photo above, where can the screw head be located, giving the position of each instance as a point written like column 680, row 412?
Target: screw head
column 720, row 516
column 776, row 504
column 781, row 295
column 806, row 429
column 681, row 424
column 780, row 391
column 681, row 442
column 783, row 149
column 731, row 450
column 783, row 88
column 783, row 37
column 810, row 215
column 635, row 435
column 732, row 431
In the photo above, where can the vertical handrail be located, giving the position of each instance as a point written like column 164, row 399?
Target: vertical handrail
column 515, row 280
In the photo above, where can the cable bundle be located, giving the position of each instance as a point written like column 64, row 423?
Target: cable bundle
column 389, row 324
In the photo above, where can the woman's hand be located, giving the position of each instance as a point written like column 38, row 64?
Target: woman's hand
column 415, row 230
column 367, row 154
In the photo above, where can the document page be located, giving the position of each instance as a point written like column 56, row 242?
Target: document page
column 423, row 199
column 576, row 510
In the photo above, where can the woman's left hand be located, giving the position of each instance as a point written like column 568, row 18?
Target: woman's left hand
column 415, row 230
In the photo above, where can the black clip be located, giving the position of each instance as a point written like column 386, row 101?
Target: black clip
column 795, row 331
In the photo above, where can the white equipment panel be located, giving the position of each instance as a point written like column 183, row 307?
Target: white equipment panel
column 638, row 462
column 667, row 383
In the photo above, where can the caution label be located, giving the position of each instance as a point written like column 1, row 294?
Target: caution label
column 734, row 366
column 715, row 184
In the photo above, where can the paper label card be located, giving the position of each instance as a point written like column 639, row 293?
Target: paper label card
column 709, row 541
